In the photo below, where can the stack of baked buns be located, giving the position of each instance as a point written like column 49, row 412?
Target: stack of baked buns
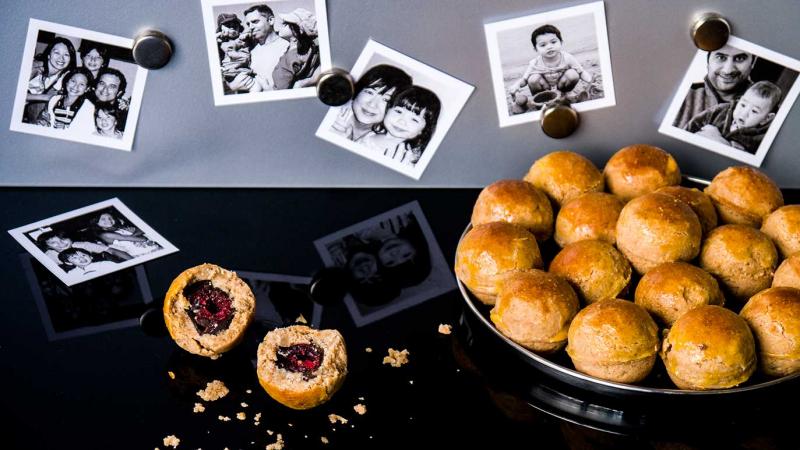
column 647, row 269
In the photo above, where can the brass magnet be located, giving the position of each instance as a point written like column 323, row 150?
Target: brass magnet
column 335, row 87
column 152, row 49
column 710, row 31
column 559, row 120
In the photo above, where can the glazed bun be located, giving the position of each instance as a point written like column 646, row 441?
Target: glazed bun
column 594, row 268
column 742, row 258
column 788, row 273
column 774, row 316
column 490, row 249
column 656, row 228
column 591, row 216
column 564, row 175
column 709, row 347
column 698, row 201
column 614, row 340
column 783, row 227
column 640, row 169
column 300, row 367
column 670, row 290
column 207, row 310
column 516, row 202
column 534, row 309
column 744, row 195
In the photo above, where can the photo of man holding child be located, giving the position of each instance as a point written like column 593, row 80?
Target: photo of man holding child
column 78, row 86
column 733, row 100
column 265, row 51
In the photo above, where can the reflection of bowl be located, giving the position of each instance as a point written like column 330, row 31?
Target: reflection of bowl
column 545, row 97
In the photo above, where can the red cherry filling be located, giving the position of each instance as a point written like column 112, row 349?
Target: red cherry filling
column 210, row 309
column 302, row 358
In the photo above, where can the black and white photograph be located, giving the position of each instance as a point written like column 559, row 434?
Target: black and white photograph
column 401, row 111
column 733, row 101
column 78, row 85
column 91, row 242
column 109, row 303
column 282, row 300
column 393, row 262
column 555, row 56
column 263, row 51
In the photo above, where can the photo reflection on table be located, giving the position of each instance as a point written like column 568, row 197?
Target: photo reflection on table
column 282, row 300
column 111, row 302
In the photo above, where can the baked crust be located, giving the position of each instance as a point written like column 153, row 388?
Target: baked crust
column 517, row 202
column 671, row 289
column 788, row 273
column 774, row 317
column 180, row 325
column 639, row 169
column 591, row 216
column 290, row 388
column 697, row 200
column 565, row 175
column 594, row 268
column 744, row 195
column 783, row 227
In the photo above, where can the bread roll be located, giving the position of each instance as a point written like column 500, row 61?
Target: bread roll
column 591, row 216
column 744, row 195
column 788, row 273
column 516, row 202
column 614, row 340
column 774, row 317
column 670, row 290
column 490, row 249
column 640, row 169
column 697, row 200
column 300, row 367
column 594, row 268
column 709, row 347
column 207, row 310
column 742, row 258
column 534, row 309
column 656, row 228
column 564, row 175
column 783, row 227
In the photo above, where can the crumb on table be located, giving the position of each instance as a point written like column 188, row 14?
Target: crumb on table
column 368, row 349
column 241, row 416
column 324, row 440
column 336, row 418
column 396, row 358
column 172, row 441
column 445, row 329
column 277, row 445
column 360, row 409
column 198, row 408
column 214, row 390
column 171, row 374
column 300, row 319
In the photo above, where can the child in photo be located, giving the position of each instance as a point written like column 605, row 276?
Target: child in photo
column 113, row 231
column 70, row 104
column 741, row 124
column 407, row 127
column 47, row 76
column 83, row 262
column 54, row 242
column 234, row 51
column 106, row 119
column 552, row 69
column 300, row 65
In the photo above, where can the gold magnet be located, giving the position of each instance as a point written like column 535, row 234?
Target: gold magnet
column 559, row 120
column 710, row 31
column 152, row 49
column 335, row 87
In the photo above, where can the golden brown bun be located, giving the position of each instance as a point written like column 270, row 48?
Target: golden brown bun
column 490, row 249
column 698, row 201
column 709, row 347
column 614, row 340
column 180, row 325
column 291, row 388
column 783, row 227
column 656, row 228
column 744, row 195
column 517, row 202
column 594, row 268
column 534, row 309
column 670, row 290
column 788, row 273
column 774, row 316
column 564, row 175
column 640, row 169
column 742, row 258
column 591, row 216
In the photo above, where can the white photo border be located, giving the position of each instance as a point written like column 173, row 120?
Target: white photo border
column 36, row 25
column 699, row 59
column 316, row 315
column 458, row 102
column 209, row 27
column 19, row 234
column 597, row 9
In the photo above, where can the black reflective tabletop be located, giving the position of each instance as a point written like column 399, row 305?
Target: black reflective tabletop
column 91, row 366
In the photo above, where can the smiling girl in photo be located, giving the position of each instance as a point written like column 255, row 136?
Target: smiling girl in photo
column 70, row 104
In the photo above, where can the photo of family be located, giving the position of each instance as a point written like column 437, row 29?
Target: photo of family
column 109, row 303
column 400, row 113
column 92, row 241
column 393, row 262
column 557, row 56
column 265, row 51
column 78, row 85
column 281, row 300
column 734, row 100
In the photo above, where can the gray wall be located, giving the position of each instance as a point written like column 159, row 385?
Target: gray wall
column 183, row 140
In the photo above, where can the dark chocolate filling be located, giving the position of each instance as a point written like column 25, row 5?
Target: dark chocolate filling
column 211, row 309
column 302, row 358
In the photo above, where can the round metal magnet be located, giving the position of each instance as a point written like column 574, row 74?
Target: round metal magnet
column 335, row 87
column 559, row 120
column 710, row 31
column 152, row 49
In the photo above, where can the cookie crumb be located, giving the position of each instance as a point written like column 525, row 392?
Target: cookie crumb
column 241, row 416
column 224, row 418
column 324, row 440
column 300, row 319
column 249, row 391
column 361, row 398
column 257, row 418
column 368, row 349
column 410, row 381
column 244, row 405
column 214, row 390
column 171, row 374
column 171, row 441
column 336, row 418
column 277, row 445
column 290, row 425
column 198, row 408
column 445, row 328
column 396, row 358
column 270, row 432
column 360, row 409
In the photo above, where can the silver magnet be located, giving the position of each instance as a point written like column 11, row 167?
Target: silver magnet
column 710, row 31
column 335, row 87
column 152, row 49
